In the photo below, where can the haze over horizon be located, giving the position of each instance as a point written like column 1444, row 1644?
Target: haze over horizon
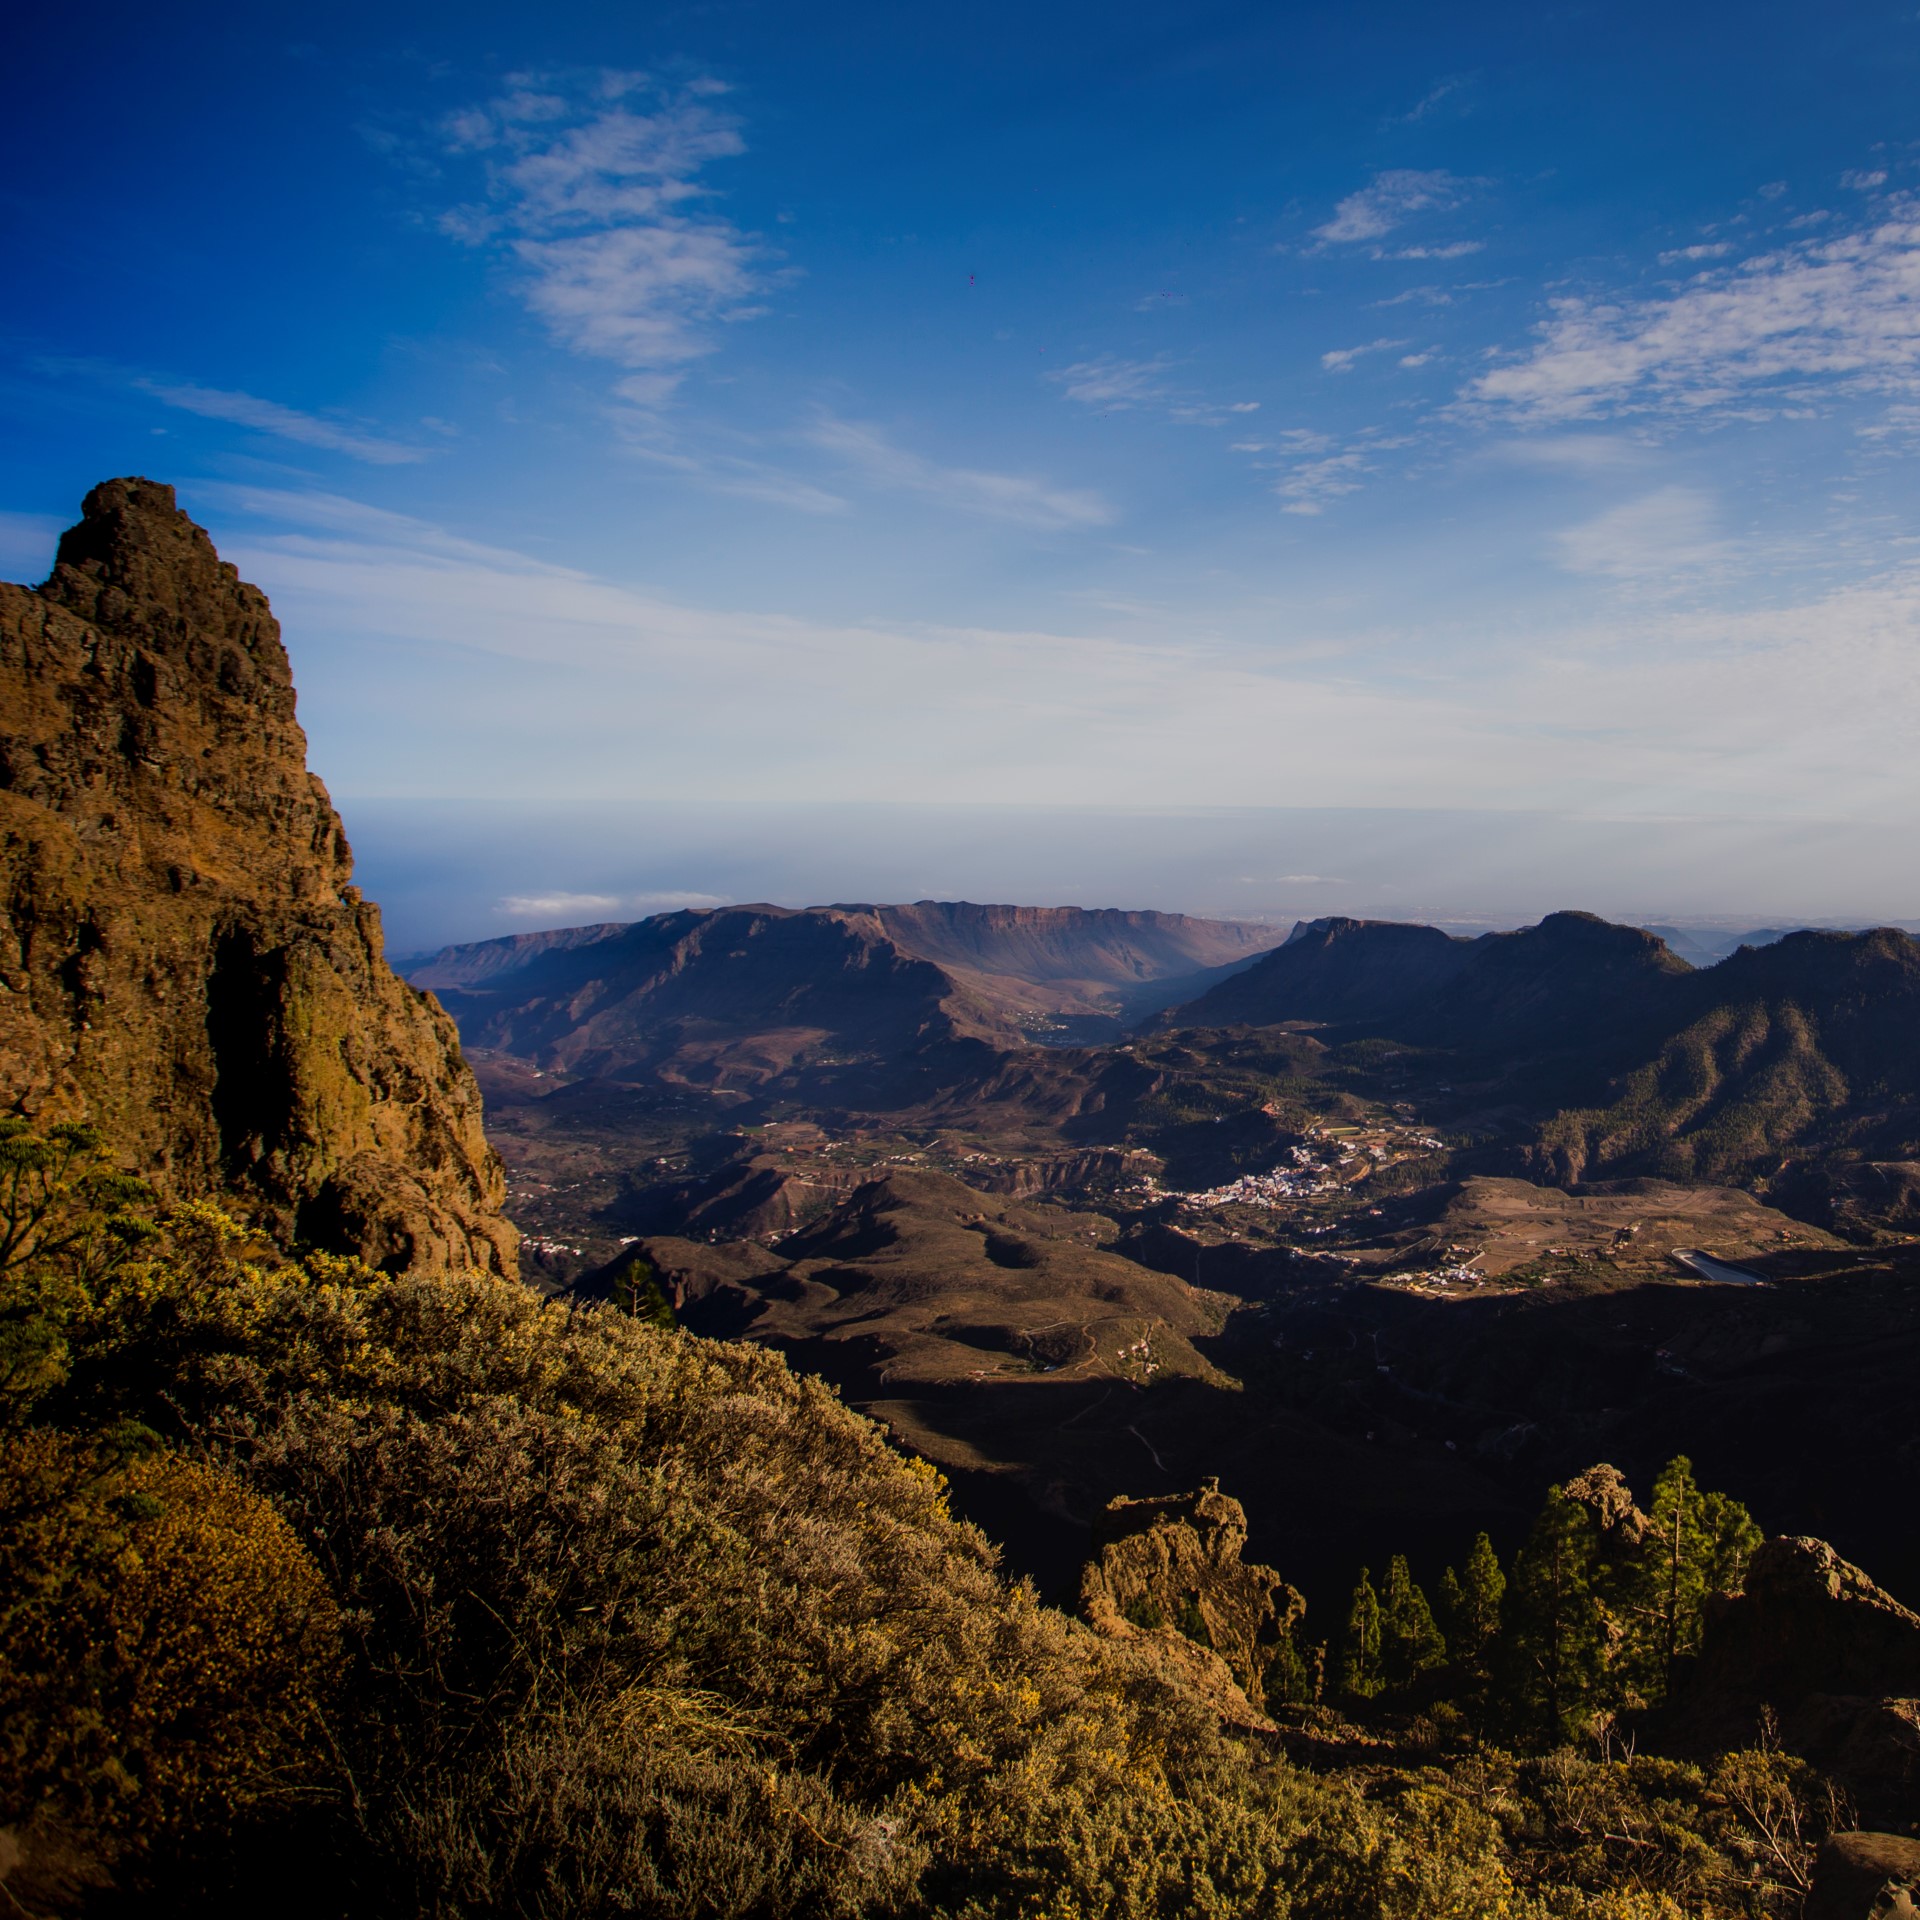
column 1242, row 463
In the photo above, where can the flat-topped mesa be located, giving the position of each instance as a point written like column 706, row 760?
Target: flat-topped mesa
column 185, row 963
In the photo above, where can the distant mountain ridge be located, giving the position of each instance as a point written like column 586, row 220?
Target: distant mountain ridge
column 736, row 995
column 1808, row 1046
column 1440, row 988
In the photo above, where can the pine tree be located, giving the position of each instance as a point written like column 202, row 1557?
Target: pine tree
column 1360, row 1674
column 1473, row 1622
column 1288, row 1681
column 638, row 1294
column 1410, row 1639
column 1558, row 1640
column 1695, row 1545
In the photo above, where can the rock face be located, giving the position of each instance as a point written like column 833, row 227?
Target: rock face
column 1833, row 1656
column 1866, row 1876
column 1170, row 1569
column 185, row 963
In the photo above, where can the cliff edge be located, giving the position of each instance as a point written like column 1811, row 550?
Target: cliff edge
column 185, row 964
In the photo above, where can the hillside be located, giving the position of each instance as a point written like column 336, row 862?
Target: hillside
column 1004, row 973
column 729, row 998
column 188, row 966
column 1804, row 1050
column 1558, row 984
column 1794, row 1065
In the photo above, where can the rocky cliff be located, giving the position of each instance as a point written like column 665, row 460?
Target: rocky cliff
column 185, row 963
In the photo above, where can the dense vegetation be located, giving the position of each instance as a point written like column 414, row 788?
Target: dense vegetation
column 359, row 1594
column 1602, row 1610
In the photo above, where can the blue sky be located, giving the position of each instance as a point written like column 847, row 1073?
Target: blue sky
column 963, row 435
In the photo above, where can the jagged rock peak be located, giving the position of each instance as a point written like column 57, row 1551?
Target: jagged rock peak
column 139, row 566
column 184, row 962
column 1167, row 1570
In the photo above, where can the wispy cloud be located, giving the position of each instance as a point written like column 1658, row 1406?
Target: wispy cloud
column 1000, row 496
column 268, row 416
column 1308, row 487
column 1705, row 250
column 1341, row 359
column 596, row 198
column 1777, row 332
column 561, row 907
column 1110, row 384
column 738, row 476
column 1389, row 201
column 1670, row 535
column 1580, row 453
column 558, row 906
column 1805, row 707
column 1435, row 97
column 1450, row 250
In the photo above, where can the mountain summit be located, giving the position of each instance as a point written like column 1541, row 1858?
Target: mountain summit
column 188, row 967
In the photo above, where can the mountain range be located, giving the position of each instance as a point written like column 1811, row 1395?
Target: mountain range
column 734, row 996
column 331, row 1543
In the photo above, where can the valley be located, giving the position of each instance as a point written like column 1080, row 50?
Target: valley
column 1383, row 1228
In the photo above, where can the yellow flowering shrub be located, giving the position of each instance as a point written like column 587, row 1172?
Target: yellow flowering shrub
column 166, row 1642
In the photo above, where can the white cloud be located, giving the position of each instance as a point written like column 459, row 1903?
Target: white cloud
column 1441, row 90
column 1389, row 201
column 599, row 204
column 1585, row 453
column 1310, row 485
column 1341, row 359
column 1669, row 535
column 268, row 416
column 1111, row 384
column 1864, row 179
column 558, row 906
column 1452, row 250
column 567, row 684
column 564, row 907
column 1001, row 496
column 677, row 902
column 1705, row 250
column 1782, row 329
column 738, row 477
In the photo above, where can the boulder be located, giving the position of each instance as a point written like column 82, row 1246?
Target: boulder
column 1866, row 1876
column 1832, row 1657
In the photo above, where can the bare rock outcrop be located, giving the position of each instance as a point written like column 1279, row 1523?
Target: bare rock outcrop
column 1866, row 1876
column 186, row 964
column 1836, row 1659
column 1168, row 1570
column 1604, row 1492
